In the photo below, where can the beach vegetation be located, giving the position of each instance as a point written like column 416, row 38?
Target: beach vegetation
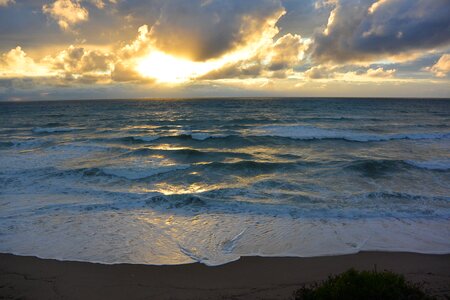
column 363, row 285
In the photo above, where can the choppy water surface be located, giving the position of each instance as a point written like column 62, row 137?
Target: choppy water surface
column 169, row 182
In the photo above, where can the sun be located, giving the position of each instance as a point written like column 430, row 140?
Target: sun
column 166, row 68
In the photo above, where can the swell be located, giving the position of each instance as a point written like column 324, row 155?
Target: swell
column 190, row 160
column 199, row 136
column 189, row 154
column 374, row 168
column 268, row 137
column 249, row 166
column 380, row 204
column 133, row 174
column 118, row 173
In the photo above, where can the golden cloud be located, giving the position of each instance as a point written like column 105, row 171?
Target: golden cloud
column 16, row 63
column 442, row 67
column 66, row 12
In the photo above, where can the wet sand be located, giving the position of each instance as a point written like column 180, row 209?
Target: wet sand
column 248, row 278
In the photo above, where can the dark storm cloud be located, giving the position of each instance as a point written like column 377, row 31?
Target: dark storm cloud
column 367, row 29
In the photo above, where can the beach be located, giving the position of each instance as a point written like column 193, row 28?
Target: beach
column 220, row 198
column 247, row 278
column 207, row 149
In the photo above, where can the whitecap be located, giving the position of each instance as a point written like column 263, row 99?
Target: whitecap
column 201, row 136
column 312, row 133
column 146, row 138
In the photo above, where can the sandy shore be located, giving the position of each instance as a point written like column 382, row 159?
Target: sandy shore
column 249, row 278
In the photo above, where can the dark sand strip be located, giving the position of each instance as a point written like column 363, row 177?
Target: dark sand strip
column 249, row 278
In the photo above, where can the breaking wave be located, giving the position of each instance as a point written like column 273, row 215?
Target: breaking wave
column 315, row 133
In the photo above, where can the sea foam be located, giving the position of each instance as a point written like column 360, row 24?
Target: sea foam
column 312, row 133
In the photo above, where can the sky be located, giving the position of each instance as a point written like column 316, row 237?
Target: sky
column 104, row 49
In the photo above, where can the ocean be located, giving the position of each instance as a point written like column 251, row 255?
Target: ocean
column 211, row 180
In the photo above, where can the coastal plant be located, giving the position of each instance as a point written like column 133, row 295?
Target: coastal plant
column 363, row 285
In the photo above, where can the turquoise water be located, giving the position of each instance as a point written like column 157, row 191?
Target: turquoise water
column 210, row 180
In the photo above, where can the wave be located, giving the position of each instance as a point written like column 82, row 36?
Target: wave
column 151, row 151
column 377, row 204
column 176, row 202
column 129, row 173
column 315, row 133
column 144, row 138
column 130, row 139
column 441, row 165
column 134, row 173
column 190, row 155
column 138, row 173
column 30, row 143
column 249, row 165
column 199, row 136
column 129, row 201
column 400, row 196
column 54, row 129
column 375, row 168
column 198, row 161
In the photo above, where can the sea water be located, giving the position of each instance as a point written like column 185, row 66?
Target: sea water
column 211, row 180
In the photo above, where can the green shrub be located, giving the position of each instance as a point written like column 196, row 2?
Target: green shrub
column 364, row 285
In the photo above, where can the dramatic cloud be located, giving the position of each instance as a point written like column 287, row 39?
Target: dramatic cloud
column 286, row 52
column 75, row 65
column 77, row 60
column 137, row 47
column 272, row 59
column 16, row 63
column 442, row 67
column 83, row 48
column 371, row 30
column 204, row 29
column 67, row 12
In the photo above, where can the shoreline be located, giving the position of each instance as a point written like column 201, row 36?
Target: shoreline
column 252, row 277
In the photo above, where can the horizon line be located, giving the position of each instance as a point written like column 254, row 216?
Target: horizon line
column 228, row 98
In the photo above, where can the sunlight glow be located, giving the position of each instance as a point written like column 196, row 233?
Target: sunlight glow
column 170, row 69
column 166, row 68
